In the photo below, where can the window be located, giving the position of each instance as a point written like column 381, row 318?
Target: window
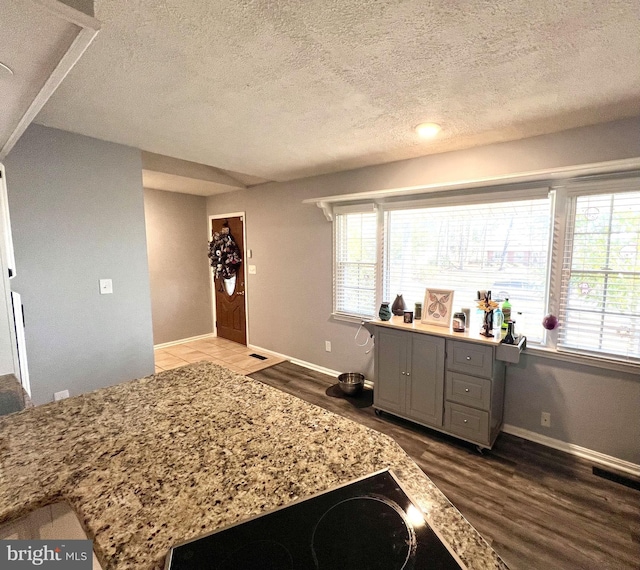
column 501, row 240
column 600, row 295
column 356, row 261
column 501, row 246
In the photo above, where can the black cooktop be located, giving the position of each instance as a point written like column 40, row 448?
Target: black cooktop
column 369, row 524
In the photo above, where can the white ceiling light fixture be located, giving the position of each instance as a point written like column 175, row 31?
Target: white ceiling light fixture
column 428, row 130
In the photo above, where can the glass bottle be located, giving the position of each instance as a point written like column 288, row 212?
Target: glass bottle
column 506, row 312
column 509, row 338
column 498, row 319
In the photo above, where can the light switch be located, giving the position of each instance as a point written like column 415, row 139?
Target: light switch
column 249, row 253
column 106, row 286
column 252, row 269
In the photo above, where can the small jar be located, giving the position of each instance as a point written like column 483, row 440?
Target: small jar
column 417, row 313
column 408, row 316
column 459, row 322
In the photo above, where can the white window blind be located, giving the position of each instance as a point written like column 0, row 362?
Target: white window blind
column 600, row 296
column 500, row 246
column 356, row 263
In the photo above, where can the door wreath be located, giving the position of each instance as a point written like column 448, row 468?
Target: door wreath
column 224, row 254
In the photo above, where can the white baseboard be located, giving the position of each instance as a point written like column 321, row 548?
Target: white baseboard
column 572, row 449
column 183, row 340
column 305, row 364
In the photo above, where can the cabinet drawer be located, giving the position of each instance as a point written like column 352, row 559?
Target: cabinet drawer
column 468, row 390
column 470, row 358
column 467, row 422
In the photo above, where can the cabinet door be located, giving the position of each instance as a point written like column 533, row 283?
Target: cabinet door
column 426, row 379
column 391, row 366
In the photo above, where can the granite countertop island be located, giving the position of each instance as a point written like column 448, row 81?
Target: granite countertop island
column 156, row 461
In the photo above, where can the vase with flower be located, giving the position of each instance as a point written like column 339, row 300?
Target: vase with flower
column 488, row 306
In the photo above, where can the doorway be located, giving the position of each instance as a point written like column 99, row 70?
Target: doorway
column 229, row 293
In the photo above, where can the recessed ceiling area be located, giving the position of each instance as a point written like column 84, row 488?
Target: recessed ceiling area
column 282, row 90
column 41, row 41
column 175, row 175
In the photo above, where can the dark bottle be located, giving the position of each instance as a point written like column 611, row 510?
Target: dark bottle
column 509, row 338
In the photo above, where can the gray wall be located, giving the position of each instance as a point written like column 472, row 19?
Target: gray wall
column 290, row 296
column 178, row 265
column 77, row 216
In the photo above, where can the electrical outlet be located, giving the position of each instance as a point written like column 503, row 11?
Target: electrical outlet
column 327, row 345
column 545, row 419
column 60, row 395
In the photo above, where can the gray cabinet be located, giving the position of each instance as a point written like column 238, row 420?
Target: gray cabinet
column 474, row 392
column 410, row 375
column 454, row 386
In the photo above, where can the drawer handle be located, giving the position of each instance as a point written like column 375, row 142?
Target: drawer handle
column 466, row 389
column 466, row 421
column 468, row 358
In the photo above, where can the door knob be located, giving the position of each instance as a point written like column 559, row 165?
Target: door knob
column 240, row 293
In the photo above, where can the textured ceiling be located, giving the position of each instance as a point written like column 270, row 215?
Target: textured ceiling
column 285, row 89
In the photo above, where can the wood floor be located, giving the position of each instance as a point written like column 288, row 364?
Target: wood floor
column 539, row 508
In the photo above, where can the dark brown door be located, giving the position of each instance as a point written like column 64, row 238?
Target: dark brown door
column 229, row 293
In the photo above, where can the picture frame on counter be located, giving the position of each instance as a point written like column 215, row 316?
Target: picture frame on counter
column 436, row 309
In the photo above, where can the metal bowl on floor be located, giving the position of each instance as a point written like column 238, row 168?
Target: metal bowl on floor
column 351, row 382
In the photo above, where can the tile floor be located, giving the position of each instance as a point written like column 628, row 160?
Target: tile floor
column 219, row 350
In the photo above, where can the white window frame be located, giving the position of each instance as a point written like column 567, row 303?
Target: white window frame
column 565, row 202
column 561, row 193
column 362, row 208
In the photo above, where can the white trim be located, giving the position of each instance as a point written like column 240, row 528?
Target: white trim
column 70, row 14
column 305, row 364
column 183, row 340
column 355, row 208
column 484, row 195
column 246, row 270
column 602, row 185
column 5, row 223
column 572, row 449
column 583, row 359
column 350, row 318
column 537, row 176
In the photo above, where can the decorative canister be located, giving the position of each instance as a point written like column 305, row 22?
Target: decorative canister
column 385, row 312
column 459, row 322
column 398, row 306
column 408, row 316
column 417, row 313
